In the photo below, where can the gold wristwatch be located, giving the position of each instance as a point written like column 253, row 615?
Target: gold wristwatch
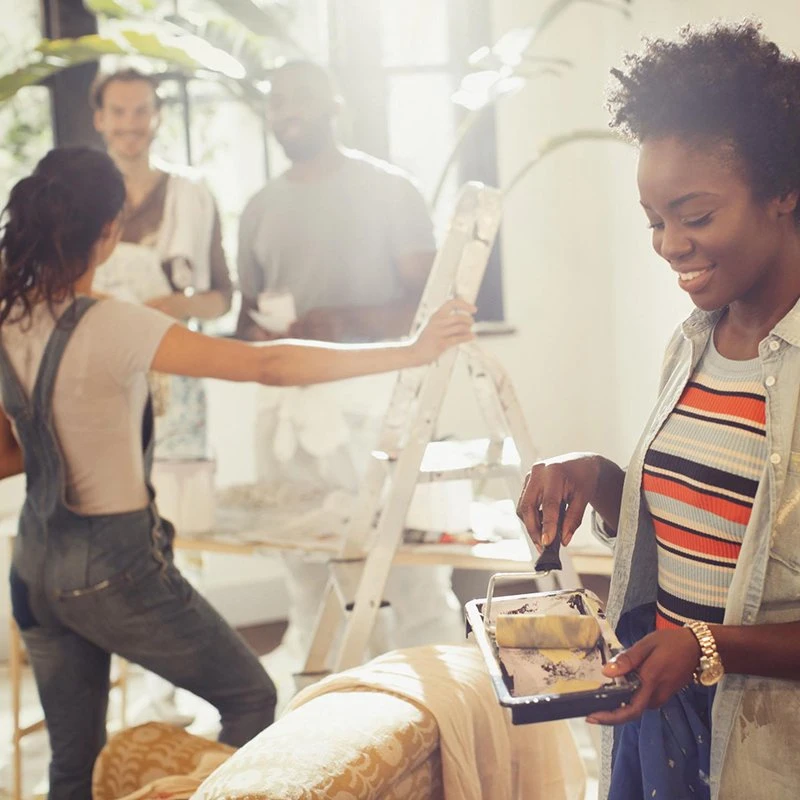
column 710, row 670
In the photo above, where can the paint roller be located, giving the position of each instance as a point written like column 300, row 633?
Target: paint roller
column 547, row 631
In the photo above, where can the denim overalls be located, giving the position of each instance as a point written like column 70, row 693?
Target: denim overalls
column 83, row 587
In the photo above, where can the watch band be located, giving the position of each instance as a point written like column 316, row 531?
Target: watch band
column 710, row 669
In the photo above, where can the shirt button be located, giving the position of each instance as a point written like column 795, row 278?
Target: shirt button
column 775, row 458
column 770, row 381
column 774, row 345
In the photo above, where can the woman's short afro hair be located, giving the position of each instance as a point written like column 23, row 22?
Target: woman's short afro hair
column 725, row 83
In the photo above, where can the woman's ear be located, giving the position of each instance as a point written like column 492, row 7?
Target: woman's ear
column 787, row 202
column 111, row 230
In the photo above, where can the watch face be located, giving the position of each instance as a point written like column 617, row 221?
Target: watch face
column 711, row 674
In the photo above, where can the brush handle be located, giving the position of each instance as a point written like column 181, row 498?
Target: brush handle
column 550, row 558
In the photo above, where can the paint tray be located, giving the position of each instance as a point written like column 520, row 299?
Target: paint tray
column 542, row 685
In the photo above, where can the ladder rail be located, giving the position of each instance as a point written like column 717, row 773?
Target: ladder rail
column 375, row 529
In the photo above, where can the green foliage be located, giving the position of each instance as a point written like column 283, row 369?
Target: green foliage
column 217, row 48
column 503, row 69
column 119, row 9
column 25, row 134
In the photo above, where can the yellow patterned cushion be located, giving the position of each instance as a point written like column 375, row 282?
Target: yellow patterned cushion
column 138, row 756
column 422, row 783
column 358, row 745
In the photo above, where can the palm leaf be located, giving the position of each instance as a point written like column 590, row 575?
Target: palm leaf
column 555, row 9
column 29, row 75
column 120, row 9
column 267, row 18
column 556, row 143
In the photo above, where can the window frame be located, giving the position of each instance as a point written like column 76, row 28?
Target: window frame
column 364, row 80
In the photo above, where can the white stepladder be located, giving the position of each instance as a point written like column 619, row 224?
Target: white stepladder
column 358, row 574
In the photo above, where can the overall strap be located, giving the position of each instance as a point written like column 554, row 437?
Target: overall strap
column 15, row 399
column 42, row 395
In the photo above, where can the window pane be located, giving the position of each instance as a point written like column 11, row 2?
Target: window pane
column 414, row 32
column 25, row 131
column 227, row 148
column 421, row 131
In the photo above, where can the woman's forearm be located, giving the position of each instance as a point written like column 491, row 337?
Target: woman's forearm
column 771, row 651
column 298, row 363
column 294, row 363
column 281, row 363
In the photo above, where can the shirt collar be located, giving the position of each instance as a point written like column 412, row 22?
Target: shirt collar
column 789, row 327
column 699, row 321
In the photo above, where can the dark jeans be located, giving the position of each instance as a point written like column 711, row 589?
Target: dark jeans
column 110, row 586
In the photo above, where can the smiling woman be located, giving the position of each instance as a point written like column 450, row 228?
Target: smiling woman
column 705, row 519
column 722, row 241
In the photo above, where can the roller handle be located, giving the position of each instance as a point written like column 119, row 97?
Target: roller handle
column 550, row 557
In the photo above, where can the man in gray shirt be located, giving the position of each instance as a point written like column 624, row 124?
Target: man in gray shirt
column 348, row 235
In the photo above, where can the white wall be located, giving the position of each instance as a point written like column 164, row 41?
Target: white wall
column 593, row 304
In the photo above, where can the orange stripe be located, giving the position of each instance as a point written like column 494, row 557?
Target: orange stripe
column 664, row 624
column 695, row 543
column 713, row 505
column 745, row 408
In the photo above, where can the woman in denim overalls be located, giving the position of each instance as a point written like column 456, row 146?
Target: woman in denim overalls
column 85, row 586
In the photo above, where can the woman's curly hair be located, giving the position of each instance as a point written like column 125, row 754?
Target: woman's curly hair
column 51, row 223
column 725, row 83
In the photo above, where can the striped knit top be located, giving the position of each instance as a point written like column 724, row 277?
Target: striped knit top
column 700, row 477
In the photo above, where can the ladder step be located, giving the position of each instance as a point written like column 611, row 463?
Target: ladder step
column 474, row 472
column 464, row 459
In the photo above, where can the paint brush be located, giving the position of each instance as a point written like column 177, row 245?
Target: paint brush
column 550, row 557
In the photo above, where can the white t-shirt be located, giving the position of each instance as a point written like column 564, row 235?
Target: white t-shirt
column 98, row 399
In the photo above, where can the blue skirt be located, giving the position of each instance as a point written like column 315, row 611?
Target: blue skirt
column 666, row 752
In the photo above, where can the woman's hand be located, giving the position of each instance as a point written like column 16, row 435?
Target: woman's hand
column 664, row 661
column 570, row 480
column 449, row 326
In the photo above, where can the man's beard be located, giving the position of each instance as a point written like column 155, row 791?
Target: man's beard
column 143, row 145
column 310, row 144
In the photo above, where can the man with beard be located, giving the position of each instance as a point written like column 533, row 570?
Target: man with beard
column 127, row 115
column 170, row 255
column 348, row 235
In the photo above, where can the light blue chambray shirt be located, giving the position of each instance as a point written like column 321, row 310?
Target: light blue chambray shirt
column 756, row 721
